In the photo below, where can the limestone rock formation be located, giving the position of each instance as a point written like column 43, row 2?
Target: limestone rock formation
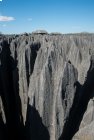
column 42, row 32
column 46, row 86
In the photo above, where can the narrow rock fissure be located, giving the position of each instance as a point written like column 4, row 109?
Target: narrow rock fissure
column 79, row 106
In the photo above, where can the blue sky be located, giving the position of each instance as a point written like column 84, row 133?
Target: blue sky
column 65, row 16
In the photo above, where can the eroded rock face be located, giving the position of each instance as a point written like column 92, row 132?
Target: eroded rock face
column 46, row 86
